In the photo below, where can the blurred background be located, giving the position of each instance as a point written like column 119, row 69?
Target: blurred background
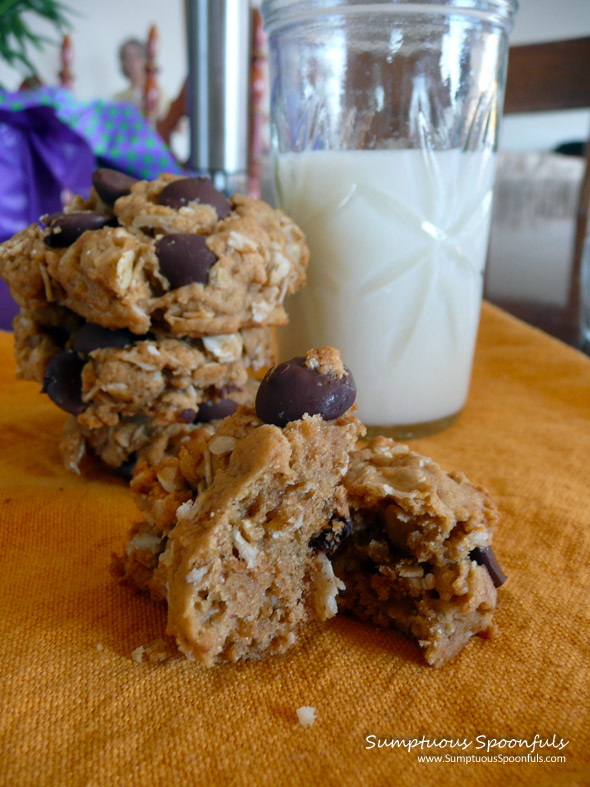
column 99, row 30
column 532, row 270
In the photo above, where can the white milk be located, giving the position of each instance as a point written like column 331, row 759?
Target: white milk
column 398, row 241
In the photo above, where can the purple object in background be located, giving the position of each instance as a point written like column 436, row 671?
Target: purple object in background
column 8, row 308
column 50, row 142
column 39, row 158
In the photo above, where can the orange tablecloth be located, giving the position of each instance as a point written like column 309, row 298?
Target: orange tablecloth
column 77, row 709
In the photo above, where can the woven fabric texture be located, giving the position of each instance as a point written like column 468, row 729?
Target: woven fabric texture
column 77, row 709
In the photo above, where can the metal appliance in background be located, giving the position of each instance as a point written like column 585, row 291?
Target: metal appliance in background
column 219, row 55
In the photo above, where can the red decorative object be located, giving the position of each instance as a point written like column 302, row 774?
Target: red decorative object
column 151, row 93
column 66, row 75
column 259, row 114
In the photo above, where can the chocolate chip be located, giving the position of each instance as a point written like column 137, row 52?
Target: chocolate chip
column 92, row 336
column 184, row 258
column 291, row 390
column 227, row 389
column 48, row 218
column 484, row 556
column 211, row 411
column 187, row 416
column 110, row 184
column 125, row 471
column 329, row 540
column 58, row 333
column 65, row 228
column 62, row 382
column 180, row 192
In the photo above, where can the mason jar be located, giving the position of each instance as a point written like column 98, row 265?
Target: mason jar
column 385, row 119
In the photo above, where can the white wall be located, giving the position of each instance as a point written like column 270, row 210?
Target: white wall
column 550, row 20
column 98, row 29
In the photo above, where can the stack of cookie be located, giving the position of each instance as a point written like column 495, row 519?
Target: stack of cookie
column 144, row 308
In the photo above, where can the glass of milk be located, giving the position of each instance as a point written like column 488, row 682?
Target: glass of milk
column 384, row 127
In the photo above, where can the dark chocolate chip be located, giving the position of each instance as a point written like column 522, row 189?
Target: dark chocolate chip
column 184, row 259
column 227, row 389
column 62, row 382
column 180, row 192
column 110, row 184
column 484, row 556
column 58, row 333
column 187, row 416
column 125, row 471
column 48, row 218
column 329, row 540
column 291, row 390
column 92, row 337
column 211, row 411
column 65, row 228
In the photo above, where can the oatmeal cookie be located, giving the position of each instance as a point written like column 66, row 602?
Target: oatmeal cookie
column 160, row 379
column 172, row 255
column 139, row 438
column 419, row 556
column 281, row 515
column 237, row 527
column 127, row 390
column 102, row 376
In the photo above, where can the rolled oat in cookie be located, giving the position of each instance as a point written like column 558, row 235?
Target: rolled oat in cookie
column 23, row 266
column 419, row 556
column 232, row 533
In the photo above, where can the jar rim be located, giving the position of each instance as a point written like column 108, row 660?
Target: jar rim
column 276, row 14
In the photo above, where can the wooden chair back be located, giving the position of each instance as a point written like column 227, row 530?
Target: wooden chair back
column 151, row 91
column 66, row 74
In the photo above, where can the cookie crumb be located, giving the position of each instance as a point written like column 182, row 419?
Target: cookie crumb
column 99, row 647
column 306, row 715
column 325, row 360
column 157, row 652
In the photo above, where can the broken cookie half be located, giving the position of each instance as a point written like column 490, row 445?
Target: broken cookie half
column 236, row 524
column 419, row 557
